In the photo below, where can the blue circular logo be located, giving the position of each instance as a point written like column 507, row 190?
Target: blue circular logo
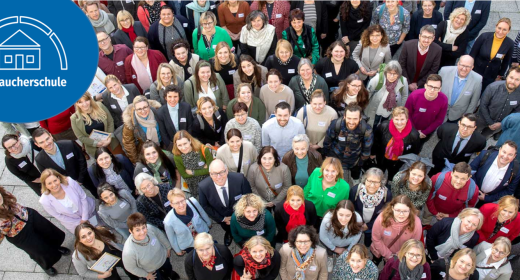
column 48, row 58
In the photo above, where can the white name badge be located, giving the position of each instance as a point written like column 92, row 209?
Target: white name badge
column 499, row 55
column 248, row 137
column 312, row 268
column 153, row 242
column 201, row 163
column 214, row 46
column 240, row 15
column 333, row 195
column 134, row 77
column 434, row 26
column 513, row 103
column 504, row 230
column 70, row 155
column 212, row 7
column 387, row 233
column 442, row 197
column 291, row 71
column 220, row 266
column 218, row 130
column 322, row 123
column 343, row 105
column 231, row 72
column 123, row 204
column 328, row 75
column 120, row 63
column 467, row 93
column 442, row 273
column 182, row 120
column 360, row 21
column 423, row 275
column 478, row 12
column 145, row 169
column 277, row 186
column 260, row 232
column 341, row 138
column 278, row 15
column 408, row 147
column 166, row 204
column 382, row 54
column 238, row 197
column 422, row 110
column 113, row 106
column 22, row 164
column 128, row 1
column 184, row 25
column 468, row 154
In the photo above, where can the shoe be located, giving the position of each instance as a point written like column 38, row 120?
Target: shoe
column 51, row 271
column 496, row 136
column 64, row 251
column 227, row 239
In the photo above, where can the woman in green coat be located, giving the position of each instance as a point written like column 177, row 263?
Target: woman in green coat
column 205, row 82
column 250, row 219
column 208, row 35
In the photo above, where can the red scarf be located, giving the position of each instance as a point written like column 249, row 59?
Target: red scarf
column 395, row 146
column 296, row 217
column 130, row 31
column 251, row 265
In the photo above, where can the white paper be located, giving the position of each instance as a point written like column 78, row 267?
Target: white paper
column 184, row 25
column 277, row 186
column 291, row 71
column 105, row 263
column 422, row 110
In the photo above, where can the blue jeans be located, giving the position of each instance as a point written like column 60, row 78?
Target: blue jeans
column 470, row 45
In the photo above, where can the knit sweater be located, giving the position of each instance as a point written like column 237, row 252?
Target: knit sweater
column 316, row 125
column 140, row 259
column 426, row 116
column 271, row 99
column 279, row 178
column 241, row 235
column 329, row 238
column 116, row 215
column 381, row 236
column 251, row 131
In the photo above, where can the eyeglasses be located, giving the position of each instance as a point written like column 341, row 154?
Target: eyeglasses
column 12, row 146
column 429, row 87
column 467, row 126
column 219, row 174
column 496, row 251
column 402, row 212
column 303, row 242
column 180, row 202
column 240, row 115
column 392, row 74
column 375, row 183
column 208, row 23
column 414, row 256
column 102, row 41
column 142, row 109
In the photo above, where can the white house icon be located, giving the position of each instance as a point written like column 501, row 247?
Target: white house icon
column 20, row 52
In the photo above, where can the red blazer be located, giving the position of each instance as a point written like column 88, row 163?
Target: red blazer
column 58, row 123
column 154, row 59
column 511, row 230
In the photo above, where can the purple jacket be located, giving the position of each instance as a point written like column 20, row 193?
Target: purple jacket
column 117, row 65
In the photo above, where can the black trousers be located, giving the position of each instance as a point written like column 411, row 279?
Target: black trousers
column 40, row 239
column 165, row 272
column 115, row 275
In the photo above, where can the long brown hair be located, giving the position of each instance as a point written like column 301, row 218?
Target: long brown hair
column 9, row 202
column 339, row 95
column 102, row 234
column 416, row 165
column 257, row 74
column 388, row 211
column 354, row 226
column 195, row 144
column 212, row 77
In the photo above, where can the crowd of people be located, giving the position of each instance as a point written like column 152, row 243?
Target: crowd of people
column 297, row 124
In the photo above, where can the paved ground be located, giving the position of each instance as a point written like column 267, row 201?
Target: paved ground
column 16, row 264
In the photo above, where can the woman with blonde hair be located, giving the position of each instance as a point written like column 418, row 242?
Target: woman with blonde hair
column 257, row 260
column 128, row 29
column 252, row 219
column 373, row 40
column 462, row 266
column 451, row 234
column 192, row 160
column 166, row 76
column 410, row 263
column 452, row 36
column 225, row 63
column 492, row 259
column 355, row 264
column 501, row 220
column 209, row 260
column 93, row 116
column 64, row 199
column 209, row 123
column 117, row 97
column 284, row 61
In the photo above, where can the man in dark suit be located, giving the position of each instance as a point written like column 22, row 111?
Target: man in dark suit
column 419, row 58
column 64, row 156
column 174, row 116
column 220, row 192
column 496, row 173
column 457, row 142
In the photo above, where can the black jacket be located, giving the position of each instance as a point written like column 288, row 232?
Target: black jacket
column 195, row 270
column 440, row 232
column 306, row 35
column 75, row 163
column 167, row 127
column 358, row 204
column 250, row 50
column 322, row 21
column 154, row 213
column 282, row 218
column 481, row 51
column 354, row 26
column 113, row 106
column 153, row 34
column 479, row 15
column 208, row 135
column 415, row 29
column 439, row 266
column 125, row 173
column 24, row 169
column 122, row 37
column 114, row 6
column 382, row 135
column 210, row 200
column 269, row 273
column 449, row 57
column 446, row 134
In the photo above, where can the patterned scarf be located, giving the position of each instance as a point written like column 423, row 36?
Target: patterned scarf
column 307, row 92
column 209, row 263
column 253, row 266
column 395, row 147
column 296, row 217
column 256, row 225
column 154, row 11
column 284, row 63
column 302, row 262
column 391, row 98
column 370, row 200
column 150, row 124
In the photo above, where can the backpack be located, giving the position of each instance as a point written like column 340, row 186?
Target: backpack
column 489, row 151
column 337, row 127
column 380, row 82
column 440, row 180
column 201, row 122
column 401, row 12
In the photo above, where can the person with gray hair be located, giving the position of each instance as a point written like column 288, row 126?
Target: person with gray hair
column 258, row 37
column 419, row 58
column 305, row 83
column 387, row 90
column 302, row 160
column 197, row 263
column 153, row 200
column 369, row 198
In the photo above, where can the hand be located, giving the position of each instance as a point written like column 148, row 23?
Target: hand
column 363, row 70
column 453, row 48
column 83, row 221
column 481, row 195
column 246, row 276
column 345, row 39
column 323, row 36
column 269, row 204
column 37, row 180
column 372, row 157
column 412, row 86
column 169, row 253
column 205, row 166
column 217, row 145
column 495, row 126
column 364, row 227
column 400, row 41
column 189, row 172
column 372, row 73
column 514, row 64
column 151, row 276
column 422, row 135
column 439, row 216
column 106, row 274
column 339, row 250
column 335, row 20
column 181, row 253
column 314, row 146
column 224, row 108
column 227, row 220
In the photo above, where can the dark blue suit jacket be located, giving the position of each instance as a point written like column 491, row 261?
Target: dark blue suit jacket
column 505, row 188
column 478, row 19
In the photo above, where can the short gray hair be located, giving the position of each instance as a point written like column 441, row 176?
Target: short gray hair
column 304, row 61
column 253, row 15
column 428, row 28
column 393, row 65
column 301, row 138
column 202, row 239
column 374, row 171
column 141, row 177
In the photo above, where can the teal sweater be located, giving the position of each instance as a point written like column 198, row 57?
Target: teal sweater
column 207, row 53
column 241, row 235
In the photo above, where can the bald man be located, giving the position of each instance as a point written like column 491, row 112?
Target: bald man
column 462, row 86
column 220, row 192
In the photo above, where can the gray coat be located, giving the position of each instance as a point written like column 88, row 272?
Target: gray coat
column 467, row 101
column 82, row 265
column 377, row 97
column 502, row 273
column 362, row 57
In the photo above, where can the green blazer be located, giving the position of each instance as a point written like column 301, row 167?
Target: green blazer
column 241, row 235
column 78, row 126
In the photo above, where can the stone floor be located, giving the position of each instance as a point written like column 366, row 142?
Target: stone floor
column 16, row 264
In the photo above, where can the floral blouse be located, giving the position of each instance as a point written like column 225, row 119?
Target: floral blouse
column 11, row 228
column 418, row 198
column 343, row 271
column 392, row 31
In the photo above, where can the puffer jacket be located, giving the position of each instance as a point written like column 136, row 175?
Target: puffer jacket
column 133, row 135
column 315, row 161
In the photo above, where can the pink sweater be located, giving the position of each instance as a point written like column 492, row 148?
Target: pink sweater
column 383, row 236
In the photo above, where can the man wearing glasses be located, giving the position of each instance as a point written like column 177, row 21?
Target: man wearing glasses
column 457, row 142
column 419, row 58
column 427, row 107
column 462, row 86
column 112, row 57
column 220, row 192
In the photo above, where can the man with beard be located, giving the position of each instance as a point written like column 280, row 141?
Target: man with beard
column 280, row 130
column 498, row 101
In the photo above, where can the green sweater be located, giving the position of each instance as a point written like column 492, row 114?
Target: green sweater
column 179, row 164
column 207, row 53
column 299, row 49
column 241, row 235
column 257, row 110
column 325, row 200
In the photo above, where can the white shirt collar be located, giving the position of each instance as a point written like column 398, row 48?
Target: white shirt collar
column 496, row 164
column 496, row 265
column 421, row 51
column 225, row 185
column 126, row 94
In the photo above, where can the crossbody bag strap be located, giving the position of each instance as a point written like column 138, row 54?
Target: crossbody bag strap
column 267, row 181
column 240, row 155
column 397, row 237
